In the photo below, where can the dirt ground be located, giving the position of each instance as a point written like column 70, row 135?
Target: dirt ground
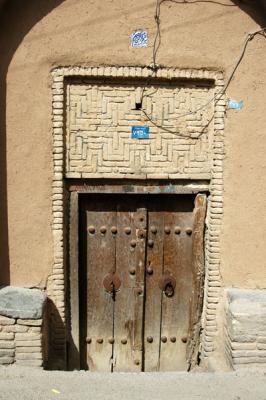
column 27, row 383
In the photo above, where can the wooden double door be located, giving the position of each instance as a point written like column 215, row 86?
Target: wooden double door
column 141, row 281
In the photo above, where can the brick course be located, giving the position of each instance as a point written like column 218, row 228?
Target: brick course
column 245, row 325
column 20, row 342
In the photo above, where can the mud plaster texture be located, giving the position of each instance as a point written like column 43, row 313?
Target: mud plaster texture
column 35, row 38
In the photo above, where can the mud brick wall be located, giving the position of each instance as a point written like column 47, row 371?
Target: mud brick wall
column 245, row 328
column 20, row 341
column 99, row 121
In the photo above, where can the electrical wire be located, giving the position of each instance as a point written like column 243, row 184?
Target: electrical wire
column 157, row 40
column 219, row 3
column 155, row 66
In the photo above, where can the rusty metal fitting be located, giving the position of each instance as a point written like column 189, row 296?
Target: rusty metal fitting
column 103, row 229
column 149, row 270
column 177, row 230
column 188, row 231
column 153, row 229
column 167, row 229
column 141, row 233
column 91, row 229
column 132, row 271
column 114, row 229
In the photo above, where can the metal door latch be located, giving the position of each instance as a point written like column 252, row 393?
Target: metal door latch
column 167, row 284
column 111, row 283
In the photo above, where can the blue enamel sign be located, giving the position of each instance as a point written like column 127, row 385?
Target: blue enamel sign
column 140, row 132
column 139, row 39
column 235, row 105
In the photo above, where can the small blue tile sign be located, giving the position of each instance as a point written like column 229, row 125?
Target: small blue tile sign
column 139, row 39
column 140, row 132
column 235, row 105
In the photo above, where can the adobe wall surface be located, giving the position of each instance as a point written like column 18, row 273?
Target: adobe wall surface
column 37, row 38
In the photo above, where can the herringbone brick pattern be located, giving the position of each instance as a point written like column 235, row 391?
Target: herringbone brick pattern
column 99, row 121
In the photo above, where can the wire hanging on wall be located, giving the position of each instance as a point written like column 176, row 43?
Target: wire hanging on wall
column 154, row 67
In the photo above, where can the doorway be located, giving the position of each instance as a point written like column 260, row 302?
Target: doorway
column 140, row 281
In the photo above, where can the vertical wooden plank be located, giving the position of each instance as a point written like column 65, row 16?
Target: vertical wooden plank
column 178, row 221
column 101, row 217
column 153, row 294
column 198, row 278
column 83, row 281
column 74, row 350
column 141, row 235
column 128, row 314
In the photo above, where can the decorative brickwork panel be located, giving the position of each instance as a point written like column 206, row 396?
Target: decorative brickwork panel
column 100, row 117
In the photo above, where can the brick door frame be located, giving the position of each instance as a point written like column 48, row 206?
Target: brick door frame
column 56, row 286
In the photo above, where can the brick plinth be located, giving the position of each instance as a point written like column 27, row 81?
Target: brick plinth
column 21, row 341
column 245, row 328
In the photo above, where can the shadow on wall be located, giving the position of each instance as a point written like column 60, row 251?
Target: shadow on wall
column 255, row 9
column 17, row 17
column 54, row 341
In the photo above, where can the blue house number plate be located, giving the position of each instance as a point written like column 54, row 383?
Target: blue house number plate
column 140, row 132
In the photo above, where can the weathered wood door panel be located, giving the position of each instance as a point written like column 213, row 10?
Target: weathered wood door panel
column 130, row 263
column 178, row 220
column 196, row 300
column 143, row 271
column 153, row 297
column 101, row 259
